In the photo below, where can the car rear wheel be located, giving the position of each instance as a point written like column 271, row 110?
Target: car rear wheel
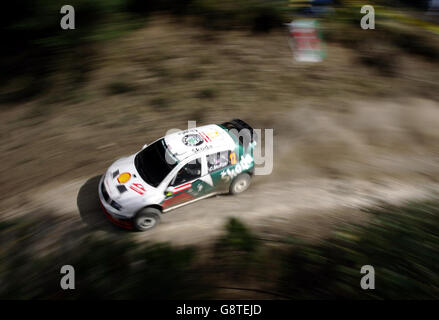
column 147, row 219
column 240, row 183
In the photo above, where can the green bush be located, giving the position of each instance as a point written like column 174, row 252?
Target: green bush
column 266, row 18
column 401, row 243
column 228, row 14
column 236, row 253
column 106, row 267
column 34, row 45
column 238, row 238
column 417, row 43
column 143, row 7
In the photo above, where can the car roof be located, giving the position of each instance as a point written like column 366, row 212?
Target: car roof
column 199, row 140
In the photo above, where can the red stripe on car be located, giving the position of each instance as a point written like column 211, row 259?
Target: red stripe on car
column 137, row 187
column 177, row 199
column 183, row 187
column 205, row 137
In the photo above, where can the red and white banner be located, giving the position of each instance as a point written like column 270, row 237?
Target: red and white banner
column 305, row 41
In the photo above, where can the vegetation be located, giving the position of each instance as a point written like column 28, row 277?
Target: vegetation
column 36, row 46
column 38, row 52
column 399, row 242
column 105, row 268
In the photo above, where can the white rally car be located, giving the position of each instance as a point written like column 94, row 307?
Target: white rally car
column 178, row 169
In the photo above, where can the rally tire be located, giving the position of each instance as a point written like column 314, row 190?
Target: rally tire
column 240, row 183
column 146, row 219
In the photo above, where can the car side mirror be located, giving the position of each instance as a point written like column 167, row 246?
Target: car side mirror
column 144, row 146
column 169, row 191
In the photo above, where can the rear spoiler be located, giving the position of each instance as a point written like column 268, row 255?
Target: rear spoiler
column 244, row 130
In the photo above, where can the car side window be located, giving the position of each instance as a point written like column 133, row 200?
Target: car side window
column 218, row 160
column 190, row 171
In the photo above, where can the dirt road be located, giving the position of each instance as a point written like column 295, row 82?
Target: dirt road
column 322, row 177
column 308, row 208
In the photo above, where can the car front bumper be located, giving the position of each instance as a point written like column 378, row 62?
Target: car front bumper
column 109, row 211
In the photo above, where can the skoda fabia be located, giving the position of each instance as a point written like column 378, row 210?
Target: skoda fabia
column 176, row 170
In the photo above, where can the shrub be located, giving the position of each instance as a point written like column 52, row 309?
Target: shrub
column 266, row 18
column 419, row 44
column 401, row 243
column 378, row 56
column 237, row 238
column 229, row 14
column 106, row 267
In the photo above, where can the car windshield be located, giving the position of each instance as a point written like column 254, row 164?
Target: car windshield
column 155, row 162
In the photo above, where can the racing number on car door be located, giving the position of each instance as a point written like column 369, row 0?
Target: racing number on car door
column 185, row 184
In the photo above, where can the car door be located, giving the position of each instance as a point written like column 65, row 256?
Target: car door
column 183, row 186
column 216, row 163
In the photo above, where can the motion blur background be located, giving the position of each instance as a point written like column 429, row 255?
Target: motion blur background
column 355, row 148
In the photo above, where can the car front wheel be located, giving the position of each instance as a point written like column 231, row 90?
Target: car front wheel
column 147, row 219
column 240, row 183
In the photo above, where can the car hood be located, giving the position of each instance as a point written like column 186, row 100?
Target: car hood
column 124, row 183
